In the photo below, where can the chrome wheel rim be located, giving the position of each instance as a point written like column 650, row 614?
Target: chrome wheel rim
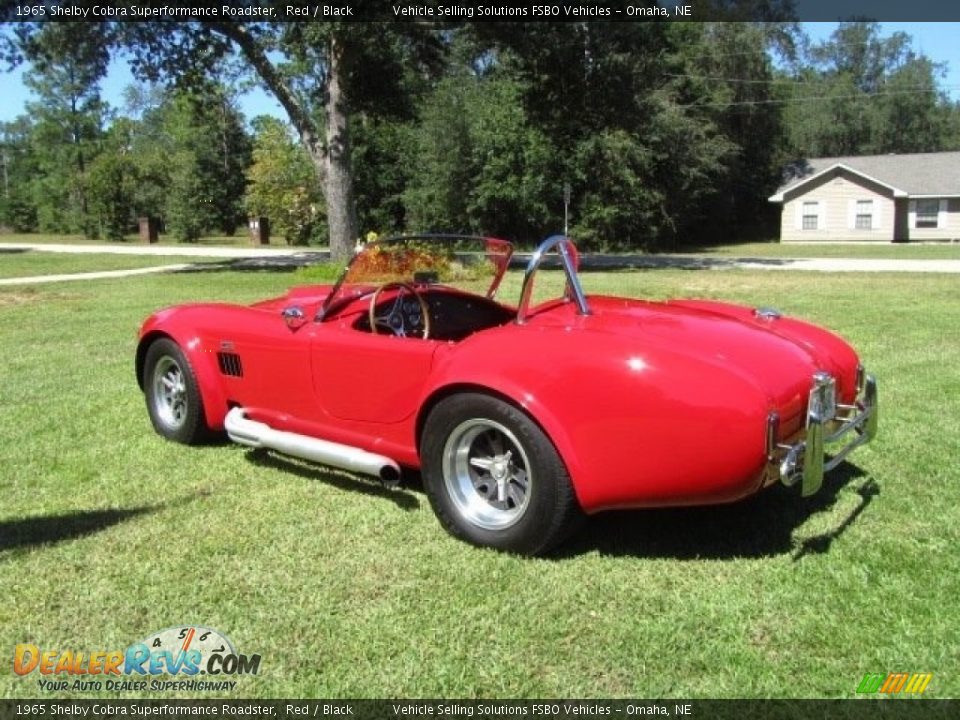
column 169, row 393
column 487, row 474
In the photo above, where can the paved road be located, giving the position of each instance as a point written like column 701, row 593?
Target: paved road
column 233, row 257
column 283, row 257
column 35, row 279
column 180, row 250
column 702, row 262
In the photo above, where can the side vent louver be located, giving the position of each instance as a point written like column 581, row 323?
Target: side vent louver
column 230, row 364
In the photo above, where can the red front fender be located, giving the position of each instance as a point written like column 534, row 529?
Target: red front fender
column 202, row 359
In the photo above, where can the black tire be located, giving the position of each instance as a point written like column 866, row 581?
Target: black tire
column 494, row 478
column 173, row 398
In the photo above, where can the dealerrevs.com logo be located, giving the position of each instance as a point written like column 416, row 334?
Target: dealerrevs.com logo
column 170, row 659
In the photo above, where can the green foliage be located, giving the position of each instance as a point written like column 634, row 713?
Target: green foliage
column 669, row 134
column 73, row 166
column 111, row 181
column 17, row 209
column 380, row 162
column 224, row 154
column 734, row 77
column 206, row 153
column 510, row 164
column 869, row 95
column 643, row 156
column 67, row 124
column 188, row 207
column 616, row 208
column 440, row 180
column 475, row 163
column 280, row 184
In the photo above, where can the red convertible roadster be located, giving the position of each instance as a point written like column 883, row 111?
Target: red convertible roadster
column 521, row 417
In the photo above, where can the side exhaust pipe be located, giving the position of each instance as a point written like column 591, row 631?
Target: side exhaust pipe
column 255, row 434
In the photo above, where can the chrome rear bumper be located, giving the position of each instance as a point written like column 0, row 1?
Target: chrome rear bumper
column 827, row 423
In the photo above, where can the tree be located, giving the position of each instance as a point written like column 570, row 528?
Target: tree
column 640, row 147
column 866, row 94
column 476, row 163
column 183, row 160
column 17, row 210
column 313, row 69
column 151, row 146
column 68, row 121
column 206, row 153
column 381, row 172
column 731, row 65
column 439, row 178
column 279, row 183
column 112, row 181
column 915, row 114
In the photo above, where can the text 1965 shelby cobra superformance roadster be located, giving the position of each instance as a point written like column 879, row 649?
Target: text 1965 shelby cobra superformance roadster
column 521, row 418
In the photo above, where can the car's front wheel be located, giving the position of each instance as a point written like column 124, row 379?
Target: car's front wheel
column 173, row 397
column 493, row 476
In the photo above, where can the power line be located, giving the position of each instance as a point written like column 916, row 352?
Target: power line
column 776, row 81
column 813, row 46
column 787, row 101
column 738, row 80
column 782, row 83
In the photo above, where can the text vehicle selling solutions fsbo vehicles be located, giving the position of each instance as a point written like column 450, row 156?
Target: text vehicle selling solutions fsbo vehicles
column 523, row 417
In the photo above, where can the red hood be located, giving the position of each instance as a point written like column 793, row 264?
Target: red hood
column 307, row 297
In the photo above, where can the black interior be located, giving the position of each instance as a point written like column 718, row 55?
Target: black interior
column 453, row 315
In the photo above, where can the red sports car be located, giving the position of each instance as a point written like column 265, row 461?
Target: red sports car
column 523, row 417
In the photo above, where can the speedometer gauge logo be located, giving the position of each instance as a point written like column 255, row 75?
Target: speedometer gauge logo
column 189, row 650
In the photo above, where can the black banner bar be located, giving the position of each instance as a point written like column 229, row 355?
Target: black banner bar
column 859, row 709
column 481, row 10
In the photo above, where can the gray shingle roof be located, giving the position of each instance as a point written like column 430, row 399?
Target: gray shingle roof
column 915, row 173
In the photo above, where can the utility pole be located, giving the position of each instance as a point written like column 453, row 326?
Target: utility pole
column 566, row 208
column 6, row 175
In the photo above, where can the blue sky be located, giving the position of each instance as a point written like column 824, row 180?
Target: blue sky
column 939, row 41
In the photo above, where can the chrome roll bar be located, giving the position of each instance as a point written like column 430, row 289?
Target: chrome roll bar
column 574, row 290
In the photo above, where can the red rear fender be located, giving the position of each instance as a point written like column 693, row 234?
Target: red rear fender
column 634, row 427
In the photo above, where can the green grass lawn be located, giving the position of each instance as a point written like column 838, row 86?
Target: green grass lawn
column 108, row 533
column 31, row 263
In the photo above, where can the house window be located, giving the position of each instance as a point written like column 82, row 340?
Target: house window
column 864, row 215
column 811, row 215
column 927, row 211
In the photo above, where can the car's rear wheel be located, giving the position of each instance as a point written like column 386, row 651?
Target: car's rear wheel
column 493, row 476
column 172, row 395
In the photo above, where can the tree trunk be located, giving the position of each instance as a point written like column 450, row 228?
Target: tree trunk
column 338, row 177
column 331, row 160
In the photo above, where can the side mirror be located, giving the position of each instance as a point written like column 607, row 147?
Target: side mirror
column 294, row 317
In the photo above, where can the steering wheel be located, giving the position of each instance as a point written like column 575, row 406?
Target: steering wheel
column 395, row 320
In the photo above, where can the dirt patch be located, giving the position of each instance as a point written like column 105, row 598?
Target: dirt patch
column 11, row 298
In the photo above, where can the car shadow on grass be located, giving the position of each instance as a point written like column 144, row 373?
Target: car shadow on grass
column 335, row 478
column 279, row 263
column 761, row 526
column 52, row 529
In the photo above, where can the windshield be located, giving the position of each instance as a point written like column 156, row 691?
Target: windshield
column 472, row 264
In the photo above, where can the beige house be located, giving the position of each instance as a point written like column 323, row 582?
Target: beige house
column 874, row 198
